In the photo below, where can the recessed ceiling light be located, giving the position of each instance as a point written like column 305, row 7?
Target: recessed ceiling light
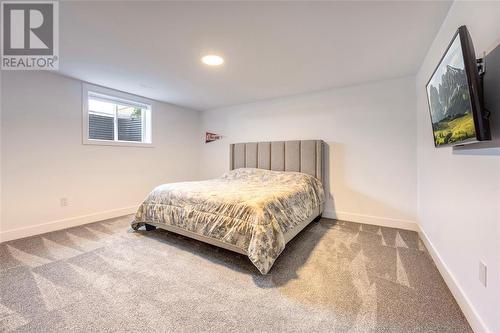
column 212, row 60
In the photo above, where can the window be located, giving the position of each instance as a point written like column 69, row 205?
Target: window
column 115, row 118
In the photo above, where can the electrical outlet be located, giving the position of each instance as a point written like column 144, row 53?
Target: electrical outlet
column 483, row 273
column 64, row 202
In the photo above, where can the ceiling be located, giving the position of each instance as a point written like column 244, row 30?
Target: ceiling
column 271, row 49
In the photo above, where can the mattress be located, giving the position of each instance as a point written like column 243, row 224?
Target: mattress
column 250, row 209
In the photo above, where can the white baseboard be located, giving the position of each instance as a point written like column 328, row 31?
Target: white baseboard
column 63, row 223
column 369, row 219
column 468, row 309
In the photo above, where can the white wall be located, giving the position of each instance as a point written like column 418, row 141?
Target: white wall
column 1, row 104
column 44, row 160
column 370, row 130
column 459, row 193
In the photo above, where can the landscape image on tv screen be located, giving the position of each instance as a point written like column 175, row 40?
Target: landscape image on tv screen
column 449, row 99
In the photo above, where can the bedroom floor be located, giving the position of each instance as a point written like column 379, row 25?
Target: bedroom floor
column 334, row 276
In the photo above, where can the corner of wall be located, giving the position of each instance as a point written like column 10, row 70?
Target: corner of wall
column 435, row 188
column 453, row 284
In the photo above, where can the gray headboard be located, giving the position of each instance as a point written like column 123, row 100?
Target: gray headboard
column 300, row 155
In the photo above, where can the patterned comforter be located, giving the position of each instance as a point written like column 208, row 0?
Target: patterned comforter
column 249, row 208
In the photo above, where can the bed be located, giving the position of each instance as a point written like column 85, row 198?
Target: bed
column 272, row 191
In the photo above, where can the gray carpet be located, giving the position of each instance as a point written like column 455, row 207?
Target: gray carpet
column 334, row 276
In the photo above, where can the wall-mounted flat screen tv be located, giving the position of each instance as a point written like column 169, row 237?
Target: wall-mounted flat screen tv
column 454, row 94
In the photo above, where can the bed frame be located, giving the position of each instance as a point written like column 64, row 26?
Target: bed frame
column 304, row 156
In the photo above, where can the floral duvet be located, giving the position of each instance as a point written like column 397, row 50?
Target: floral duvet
column 248, row 208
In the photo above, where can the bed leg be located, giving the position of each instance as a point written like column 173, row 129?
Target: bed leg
column 150, row 227
column 136, row 226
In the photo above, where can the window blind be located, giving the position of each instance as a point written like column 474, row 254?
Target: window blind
column 101, row 127
column 129, row 129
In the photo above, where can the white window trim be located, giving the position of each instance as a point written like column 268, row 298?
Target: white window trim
column 121, row 97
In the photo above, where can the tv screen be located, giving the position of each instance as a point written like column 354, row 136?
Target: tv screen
column 453, row 94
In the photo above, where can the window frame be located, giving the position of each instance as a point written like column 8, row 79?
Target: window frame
column 123, row 98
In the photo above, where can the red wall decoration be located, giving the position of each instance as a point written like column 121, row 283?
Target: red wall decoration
column 209, row 137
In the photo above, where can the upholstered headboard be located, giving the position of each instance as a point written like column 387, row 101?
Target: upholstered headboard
column 300, row 155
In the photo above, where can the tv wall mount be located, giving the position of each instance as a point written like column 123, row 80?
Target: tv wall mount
column 481, row 70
